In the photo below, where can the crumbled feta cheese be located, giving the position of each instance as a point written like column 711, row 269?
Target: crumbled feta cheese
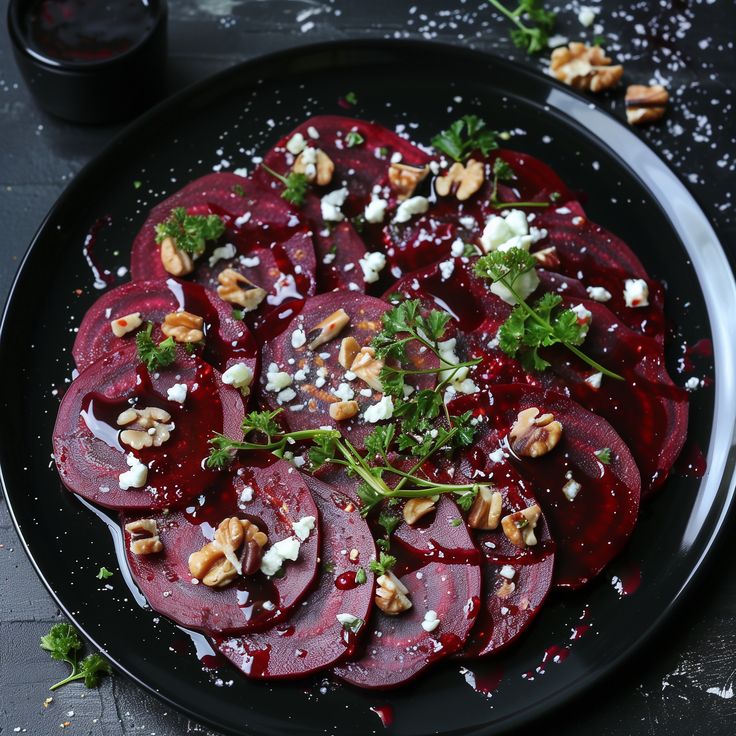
column 268, row 606
column 375, row 210
column 692, row 383
column 331, row 204
column 508, row 572
column 296, row 144
column 347, row 619
column 178, row 393
column 240, row 221
column 497, row 456
column 344, row 392
column 598, row 293
column 584, row 317
column 430, row 622
column 136, row 477
column 594, row 380
column 274, row 558
column 571, row 489
column 467, row 221
column 298, row 338
column 250, row 262
column 312, row 132
column 372, row 265
column 276, row 379
column 524, row 286
column 636, row 293
column 508, row 231
column 303, row 527
column 457, row 248
column 409, row 207
column 586, row 16
column 222, row 253
column 285, row 395
column 384, row 409
column 238, row 376
column 246, row 495
column 446, row 269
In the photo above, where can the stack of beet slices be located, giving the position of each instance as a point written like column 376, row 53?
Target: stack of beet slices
column 271, row 556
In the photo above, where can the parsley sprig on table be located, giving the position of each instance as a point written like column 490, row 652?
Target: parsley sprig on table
column 529, row 328
column 464, row 136
column 295, row 185
column 532, row 22
column 154, row 355
column 190, row 232
column 63, row 644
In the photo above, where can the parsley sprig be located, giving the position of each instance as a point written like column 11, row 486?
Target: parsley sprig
column 383, row 564
column 531, row 33
column 295, row 185
column 154, row 355
column 464, row 136
column 64, row 645
column 190, row 232
column 529, row 328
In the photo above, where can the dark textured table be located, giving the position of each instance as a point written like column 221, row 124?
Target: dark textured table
column 683, row 682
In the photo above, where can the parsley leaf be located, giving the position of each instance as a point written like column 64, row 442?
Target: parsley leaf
column 237, row 189
column 322, row 451
column 92, row 668
column 531, row 38
column 379, row 440
column 389, row 522
column 104, row 574
column 351, row 98
column 604, row 455
column 353, row 138
column 502, row 171
column 262, row 421
column 464, row 136
column 295, row 186
column 466, row 499
column 63, row 644
column 190, row 232
column 383, row 564
column 153, row 355
column 360, row 576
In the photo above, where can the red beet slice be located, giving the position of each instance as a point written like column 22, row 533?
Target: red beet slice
column 591, row 529
column 338, row 251
column 449, row 583
column 313, row 638
column 227, row 340
column 317, row 375
column 280, row 497
column 88, row 450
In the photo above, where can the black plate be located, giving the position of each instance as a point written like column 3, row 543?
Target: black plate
column 237, row 114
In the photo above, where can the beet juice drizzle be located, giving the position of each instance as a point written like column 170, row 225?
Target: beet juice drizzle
column 86, row 31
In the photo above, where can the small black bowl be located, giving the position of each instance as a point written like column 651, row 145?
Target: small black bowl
column 101, row 90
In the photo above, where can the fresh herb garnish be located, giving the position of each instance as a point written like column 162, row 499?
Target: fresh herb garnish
column 190, row 232
column 353, row 138
column 153, row 355
column 329, row 567
column 295, row 186
column 63, row 644
column 456, row 522
column 502, row 171
column 104, row 574
column 237, row 189
column 354, row 624
column 383, row 564
column 465, row 136
column 599, row 41
column 531, row 33
column 351, row 98
column 238, row 313
column 529, row 328
column 360, row 576
column 604, row 455
column 137, row 184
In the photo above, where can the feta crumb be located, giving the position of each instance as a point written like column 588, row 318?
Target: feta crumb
column 599, row 294
column 347, row 619
column 178, row 393
column 431, row 621
column 508, row 231
column 298, row 338
column 312, row 132
column 331, row 203
column 457, row 248
column 274, row 558
column 508, row 572
column 246, row 495
column 276, row 379
column 409, row 207
column 296, row 144
column 692, row 383
column 636, row 293
column 239, row 376
column 524, row 286
column 586, row 16
column 136, row 477
column 223, row 253
column 584, row 317
column 372, row 265
column 268, row 605
column 571, row 489
column 303, row 527
column 285, row 395
column 594, row 380
column 446, row 269
column 250, row 262
column 344, row 392
column 384, row 409
column 375, row 210
column 497, row 456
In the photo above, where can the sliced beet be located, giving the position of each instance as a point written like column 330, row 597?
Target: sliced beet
column 445, row 578
column 339, row 250
column 317, row 375
column 591, row 529
column 280, row 497
column 313, row 638
column 227, row 340
column 90, row 455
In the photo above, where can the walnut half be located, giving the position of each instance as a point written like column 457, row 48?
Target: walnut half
column 404, row 179
column 519, row 526
column 645, row 104
column 486, row 510
column 463, row 180
column 237, row 289
column 144, row 539
column 148, row 427
column 416, row 508
column 183, row 327
column 584, row 67
column 175, row 261
column 533, row 435
column 392, row 596
column 368, row 368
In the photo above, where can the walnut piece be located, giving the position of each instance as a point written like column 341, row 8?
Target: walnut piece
column 547, row 257
column 316, row 165
column 217, row 564
column 584, row 67
column 144, row 539
column 486, row 510
column 150, row 428
column 237, row 289
column 341, row 411
column 368, row 368
column 404, row 179
column 328, row 329
column 645, row 104
column 175, row 261
column 349, row 348
column 183, row 326
column 463, row 180
column 532, row 435
column 392, row 596
column 519, row 526
column 123, row 325
column 506, row 589
column 416, row 508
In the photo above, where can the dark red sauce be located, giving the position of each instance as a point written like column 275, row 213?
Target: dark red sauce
column 692, row 462
column 346, row 581
column 102, row 276
column 385, row 713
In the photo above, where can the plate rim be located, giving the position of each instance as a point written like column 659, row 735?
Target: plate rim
column 727, row 482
